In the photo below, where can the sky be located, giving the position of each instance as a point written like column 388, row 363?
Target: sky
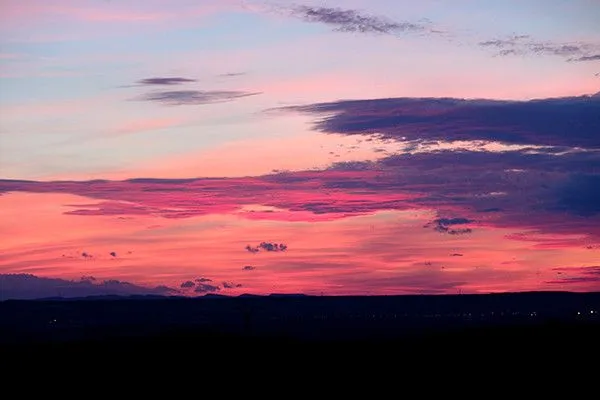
column 381, row 147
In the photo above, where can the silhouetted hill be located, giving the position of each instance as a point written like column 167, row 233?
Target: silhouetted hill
column 344, row 330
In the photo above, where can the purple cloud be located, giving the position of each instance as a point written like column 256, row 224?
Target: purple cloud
column 352, row 20
column 206, row 288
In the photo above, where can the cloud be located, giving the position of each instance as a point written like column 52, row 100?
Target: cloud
column 187, row 284
column 531, row 166
column 443, row 225
column 206, row 288
column 352, row 20
column 27, row 286
column 165, row 81
column 266, row 246
column 203, row 280
column 541, row 122
column 231, row 285
column 595, row 57
column 195, row 97
column 525, row 45
column 248, row 268
column 232, row 74
column 574, row 275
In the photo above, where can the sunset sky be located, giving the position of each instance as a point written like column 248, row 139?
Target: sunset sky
column 339, row 147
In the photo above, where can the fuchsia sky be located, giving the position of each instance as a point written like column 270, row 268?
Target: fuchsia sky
column 320, row 147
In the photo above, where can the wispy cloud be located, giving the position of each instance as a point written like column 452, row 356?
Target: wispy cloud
column 575, row 275
column 345, row 20
column 165, row 81
column 595, row 57
column 195, row 97
column 232, row 74
column 525, row 45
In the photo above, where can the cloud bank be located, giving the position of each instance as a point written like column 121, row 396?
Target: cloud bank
column 27, row 286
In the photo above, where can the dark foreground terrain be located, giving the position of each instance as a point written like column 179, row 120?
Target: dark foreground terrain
column 336, row 331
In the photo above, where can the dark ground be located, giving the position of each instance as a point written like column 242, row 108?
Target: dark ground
column 524, row 332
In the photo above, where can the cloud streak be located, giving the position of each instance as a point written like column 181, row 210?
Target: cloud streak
column 165, row 81
column 344, row 20
column 525, row 45
column 195, row 97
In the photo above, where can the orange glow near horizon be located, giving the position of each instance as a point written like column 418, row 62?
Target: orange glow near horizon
column 382, row 253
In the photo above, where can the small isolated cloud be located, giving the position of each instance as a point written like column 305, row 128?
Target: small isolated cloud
column 187, row 284
column 113, row 254
column 165, row 81
column 443, row 225
column 267, row 246
column 27, row 286
column 232, row 74
column 248, row 268
column 206, row 288
column 352, row 20
column 195, row 97
column 203, row 280
column 231, row 285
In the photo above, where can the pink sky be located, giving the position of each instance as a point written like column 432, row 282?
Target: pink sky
column 250, row 121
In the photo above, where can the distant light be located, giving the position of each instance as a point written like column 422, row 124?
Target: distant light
column 578, row 313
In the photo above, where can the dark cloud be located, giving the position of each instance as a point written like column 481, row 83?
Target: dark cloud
column 113, row 254
column 248, row 268
column 187, row 284
column 165, row 81
column 195, row 97
column 580, row 194
column 203, row 280
column 574, row 275
column 266, row 246
column 525, row 45
column 566, row 122
column 231, row 285
column 353, row 20
column 27, row 286
column 206, row 288
column 444, row 225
